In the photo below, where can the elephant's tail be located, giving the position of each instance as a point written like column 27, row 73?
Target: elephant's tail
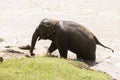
column 97, row 42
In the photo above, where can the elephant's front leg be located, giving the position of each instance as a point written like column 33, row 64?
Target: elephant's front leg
column 52, row 48
column 63, row 49
column 63, row 52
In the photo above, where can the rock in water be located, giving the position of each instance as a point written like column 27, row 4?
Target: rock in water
column 12, row 51
column 8, row 46
column 26, row 47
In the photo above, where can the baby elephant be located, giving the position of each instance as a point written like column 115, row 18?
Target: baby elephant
column 67, row 35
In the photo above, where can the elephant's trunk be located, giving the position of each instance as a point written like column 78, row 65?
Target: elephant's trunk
column 33, row 42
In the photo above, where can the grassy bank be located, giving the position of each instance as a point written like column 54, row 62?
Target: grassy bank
column 44, row 68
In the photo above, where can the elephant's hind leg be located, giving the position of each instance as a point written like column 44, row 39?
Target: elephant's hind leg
column 90, row 52
column 87, row 56
column 90, row 55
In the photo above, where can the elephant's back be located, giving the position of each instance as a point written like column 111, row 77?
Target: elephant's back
column 75, row 27
column 75, row 33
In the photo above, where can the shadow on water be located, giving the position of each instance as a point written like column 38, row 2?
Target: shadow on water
column 1, row 39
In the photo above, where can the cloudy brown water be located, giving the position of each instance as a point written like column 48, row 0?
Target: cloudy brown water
column 19, row 18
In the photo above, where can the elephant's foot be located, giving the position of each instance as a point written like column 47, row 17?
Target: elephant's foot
column 32, row 54
column 29, row 56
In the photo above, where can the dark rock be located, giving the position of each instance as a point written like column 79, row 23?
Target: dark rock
column 8, row 46
column 1, row 59
column 26, row 47
column 12, row 51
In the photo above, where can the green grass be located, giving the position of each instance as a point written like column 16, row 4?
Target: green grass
column 44, row 68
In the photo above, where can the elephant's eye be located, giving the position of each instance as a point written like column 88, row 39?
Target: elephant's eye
column 48, row 24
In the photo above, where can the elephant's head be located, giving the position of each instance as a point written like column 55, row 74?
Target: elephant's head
column 46, row 30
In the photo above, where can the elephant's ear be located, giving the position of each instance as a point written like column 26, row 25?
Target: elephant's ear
column 50, row 25
column 50, row 29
